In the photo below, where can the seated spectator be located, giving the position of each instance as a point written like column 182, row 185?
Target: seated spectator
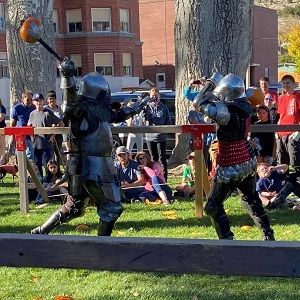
column 187, row 186
column 32, row 189
column 132, row 180
column 155, row 184
column 291, row 185
column 270, row 181
column 53, row 175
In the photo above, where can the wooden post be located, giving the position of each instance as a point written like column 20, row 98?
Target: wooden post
column 23, row 184
column 20, row 136
column 200, row 168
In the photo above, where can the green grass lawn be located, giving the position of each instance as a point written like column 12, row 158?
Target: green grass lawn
column 142, row 221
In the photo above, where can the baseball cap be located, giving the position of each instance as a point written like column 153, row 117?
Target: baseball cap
column 191, row 155
column 122, row 149
column 37, row 96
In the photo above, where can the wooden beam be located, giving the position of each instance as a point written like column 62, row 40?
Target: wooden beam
column 189, row 256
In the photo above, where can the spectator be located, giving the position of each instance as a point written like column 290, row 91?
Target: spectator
column 51, row 100
column 42, row 143
column 187, row 187
column 157, row 113
column 2, row 136
column 53, row 175
column 132, row 180
column 263, row 142
column 264, row 85
column 269, row 182
column 135, row 138
column 194, row 87
column 20, row 116
column 272, row 106
column 288, row 143
column 155, row 184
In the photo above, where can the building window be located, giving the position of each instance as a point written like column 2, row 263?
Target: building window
column 101, row 19
column 74, row 20
column 2, row 18
column 54, row 19
column 127, row 65
column 124, row 20
column 104, row 63
column 76, row 58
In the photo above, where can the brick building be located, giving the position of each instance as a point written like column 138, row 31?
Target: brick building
column 96, row 35
column 157, row 34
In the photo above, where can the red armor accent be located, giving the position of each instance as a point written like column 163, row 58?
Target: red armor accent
column 233, row 153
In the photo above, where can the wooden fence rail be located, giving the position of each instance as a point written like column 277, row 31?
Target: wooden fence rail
column 190, row 256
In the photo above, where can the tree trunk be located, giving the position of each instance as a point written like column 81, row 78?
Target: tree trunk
column 209, row 34
column 31, row 66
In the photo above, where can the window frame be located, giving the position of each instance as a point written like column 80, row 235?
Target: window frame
column 77, row 25
column 101, row 23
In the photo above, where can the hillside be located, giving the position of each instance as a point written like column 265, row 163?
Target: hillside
column 276, row 4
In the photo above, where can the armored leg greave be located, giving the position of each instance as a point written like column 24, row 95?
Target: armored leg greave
column 215, row 210
column 105, row 228
column 71, row 209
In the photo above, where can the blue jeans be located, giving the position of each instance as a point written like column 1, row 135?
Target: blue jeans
column 38, row 158
column 158, row 186
column 132, row 193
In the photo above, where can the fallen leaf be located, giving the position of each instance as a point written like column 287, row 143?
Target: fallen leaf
column 82, row 227
column 169, row 212
column 156, row 202
column 63, row 297
column 246, row 227
column 135, row 294
column 35, row 278
column 172, row 217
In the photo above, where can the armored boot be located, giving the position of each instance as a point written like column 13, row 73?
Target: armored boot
column 105, row 228
column 54, row 221
column 268, row 235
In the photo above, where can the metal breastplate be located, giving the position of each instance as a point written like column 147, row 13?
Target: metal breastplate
column 98, row 143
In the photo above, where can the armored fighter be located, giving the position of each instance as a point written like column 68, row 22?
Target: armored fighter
column 225, row 101
column 90, row 169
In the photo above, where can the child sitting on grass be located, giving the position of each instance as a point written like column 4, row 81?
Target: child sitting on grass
column 53, row 174
column 270, row 181
column 187, row 186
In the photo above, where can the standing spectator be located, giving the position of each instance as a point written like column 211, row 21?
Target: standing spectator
column 155, row 185
column 43, row 143
column 193, row 88
column 157, row 114
column 263, row 142
column 132, row 180
column 52, row 105
column 272, row 106
column 264, row 85
column 2, row 136
column 20, row 116
column 288, row 144
column 135, row 138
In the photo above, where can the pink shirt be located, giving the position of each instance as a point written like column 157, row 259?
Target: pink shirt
column 149, row 173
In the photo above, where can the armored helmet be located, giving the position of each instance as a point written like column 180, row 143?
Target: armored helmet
column 230, row 88
column 95, row 88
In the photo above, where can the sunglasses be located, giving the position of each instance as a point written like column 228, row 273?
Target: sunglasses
column 270, row 99
column 142, row 157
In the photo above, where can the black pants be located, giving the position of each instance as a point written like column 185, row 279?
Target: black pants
column 157, row 152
